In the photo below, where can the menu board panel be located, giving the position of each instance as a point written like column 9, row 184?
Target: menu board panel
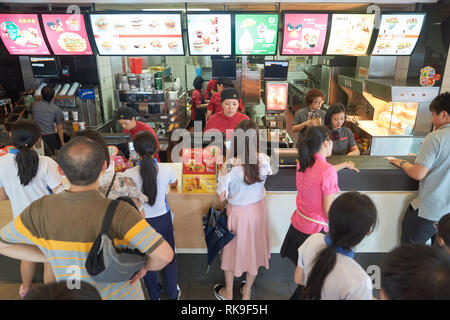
column 398, row 33
column 276, row 95
column 350, row 34
column 22, row 35
column 304, row 34
column 209, row 34
column 66, row 34
column 138, row 34
column 256, row 34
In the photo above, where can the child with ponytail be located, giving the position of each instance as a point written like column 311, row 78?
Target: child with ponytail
column 153, row 178
column 325, row 262
column 24, row 178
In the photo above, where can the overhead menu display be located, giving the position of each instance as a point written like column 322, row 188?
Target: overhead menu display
column 138, row 34
column 22, row 34
column 350, row 34
column 66, row 34
column 304, row 34
column 256, row 34
column 398, row 33
column 209, row 34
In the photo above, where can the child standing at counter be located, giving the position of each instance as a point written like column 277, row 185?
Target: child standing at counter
column 153, row 178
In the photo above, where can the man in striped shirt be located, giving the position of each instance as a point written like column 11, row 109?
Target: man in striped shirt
column 65, row 226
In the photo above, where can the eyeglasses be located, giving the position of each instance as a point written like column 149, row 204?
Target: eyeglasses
column 318, row 102
column 334, row 136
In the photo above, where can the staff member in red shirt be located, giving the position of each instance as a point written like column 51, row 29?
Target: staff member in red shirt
column 229, row 118
column 211, row 88
column 198, row 105
column 127, row 119
column 214, row 105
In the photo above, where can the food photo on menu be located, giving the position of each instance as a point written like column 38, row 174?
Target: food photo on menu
column 209, row 34
column 256, row 34
column 135, row 34
column 398, row 34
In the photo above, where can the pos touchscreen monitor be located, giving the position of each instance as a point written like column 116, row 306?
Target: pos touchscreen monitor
column 224, row 68
column 276, row 70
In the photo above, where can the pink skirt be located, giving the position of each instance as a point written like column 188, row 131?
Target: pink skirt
column 250, row 248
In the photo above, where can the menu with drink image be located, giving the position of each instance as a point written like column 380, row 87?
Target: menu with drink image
column 209, row 34
column 398, row 33
column 66, row 34
column 350, row 34
column 22, row 34
column 199, row 169
column 138, row 33
column 304, row 34
column 256, row 34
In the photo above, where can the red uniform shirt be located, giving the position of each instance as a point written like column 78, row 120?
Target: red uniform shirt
column 140, row 126
column 212, row 85
column 215, row 106
column 221, row 122
column 196, row 100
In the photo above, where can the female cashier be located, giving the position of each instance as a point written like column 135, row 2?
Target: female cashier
column 343, row 139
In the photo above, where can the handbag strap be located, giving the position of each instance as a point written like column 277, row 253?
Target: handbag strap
column 109, row 215
column 110, row 186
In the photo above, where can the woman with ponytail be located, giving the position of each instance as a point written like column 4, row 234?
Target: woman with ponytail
column 24, row 178
column 317, row 183
column 325, row 262
column 153, row 178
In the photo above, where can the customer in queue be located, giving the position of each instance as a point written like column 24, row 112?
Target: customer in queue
column 226, row 120
column 311, row 115
column 326, row 266
column 432, row 169
column 153, row 179
column 443, row 233
column 25, row 177
column 65, row 226
column 241, row 183
column 343, row 140
column 215, row 104
column 48, row 116
column 415, row 272
column 317, row 184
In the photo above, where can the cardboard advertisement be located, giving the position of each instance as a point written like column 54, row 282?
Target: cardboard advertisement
column 199, row 170
column 276, row 96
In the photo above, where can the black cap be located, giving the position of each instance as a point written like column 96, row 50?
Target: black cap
column 125, row 113
column 229, row 93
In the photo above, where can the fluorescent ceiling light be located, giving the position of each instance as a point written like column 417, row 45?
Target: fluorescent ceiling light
column 184, row 10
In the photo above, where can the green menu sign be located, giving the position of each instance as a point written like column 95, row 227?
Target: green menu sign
column 256, row 34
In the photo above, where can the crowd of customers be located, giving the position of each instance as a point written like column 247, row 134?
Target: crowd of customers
column 56, row 222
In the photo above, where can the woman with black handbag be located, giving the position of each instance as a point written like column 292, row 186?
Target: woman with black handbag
column 241, row 182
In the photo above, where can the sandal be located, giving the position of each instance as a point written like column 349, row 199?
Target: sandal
column 217, row 288
column 22, row 292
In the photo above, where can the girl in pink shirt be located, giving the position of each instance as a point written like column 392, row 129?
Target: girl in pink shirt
column 317, row 183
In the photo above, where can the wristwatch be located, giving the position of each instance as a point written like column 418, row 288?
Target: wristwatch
column 402, row 163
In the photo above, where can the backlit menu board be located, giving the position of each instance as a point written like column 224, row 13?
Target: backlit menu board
column 350, row 34
column 66, row 34
column 256, row 33
column 304, row 34
column 398, row 33
column 138, row 33
column 209, row 34
column 22, row 34
column 276, row 95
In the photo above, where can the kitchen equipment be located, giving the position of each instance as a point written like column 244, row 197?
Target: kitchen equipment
column 133, row 82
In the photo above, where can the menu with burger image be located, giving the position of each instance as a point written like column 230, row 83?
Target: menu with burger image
column 209, row 34
column 138, row 34
column 398, row 33
column 199, row 169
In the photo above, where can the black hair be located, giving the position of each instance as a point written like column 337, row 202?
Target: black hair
column 351, row 217
column 48, row 93
column 416, row 272
column 441, row 103
column 198, row 83
column 146, row 146
column 249, row 151
column 60, row 291
column 443, row 229
column 227, row 83
column 311, row 144
column 25, row 134
column 97, row 137
column 333, row 109
column 82, row 160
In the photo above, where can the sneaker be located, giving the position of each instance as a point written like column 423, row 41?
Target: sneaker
column 217, row 288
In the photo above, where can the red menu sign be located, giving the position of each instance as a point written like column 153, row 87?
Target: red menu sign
column 276, row 96
column 67, row 34
column 22, row 34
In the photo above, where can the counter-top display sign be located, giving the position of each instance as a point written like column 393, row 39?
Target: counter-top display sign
column 199, row 169
column 66, row 34
column 138, row 34
column 256, row 33
column 22, row 34
column 276, row 96
column 398, row 33
column 209, row 34
column 304, row 34
column 350, row 34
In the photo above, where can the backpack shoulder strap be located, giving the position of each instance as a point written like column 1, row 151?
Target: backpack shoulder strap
column 109, row 215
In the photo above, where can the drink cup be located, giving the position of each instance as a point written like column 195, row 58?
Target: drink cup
column 82, row 125
column 66, row 115
column 75, row 115
column 75, row 126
